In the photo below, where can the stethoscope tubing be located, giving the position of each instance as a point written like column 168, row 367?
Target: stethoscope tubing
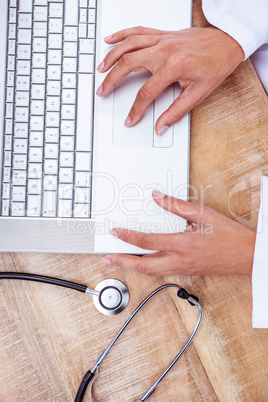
column 90, row 374
column 44, row 279
column 182, row 293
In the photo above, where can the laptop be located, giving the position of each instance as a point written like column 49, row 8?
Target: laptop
column 69, row 168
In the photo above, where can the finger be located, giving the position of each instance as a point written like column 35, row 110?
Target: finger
column 148, row 265
column 147, row 241
column 156, row 84
column 188, row 99
column 129, row 62
column 130, row 44
column 188, row 210
column 125, row 33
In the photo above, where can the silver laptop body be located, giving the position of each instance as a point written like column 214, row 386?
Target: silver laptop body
column 69, row 168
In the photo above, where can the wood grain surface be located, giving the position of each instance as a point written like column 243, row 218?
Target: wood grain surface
column 50, row 336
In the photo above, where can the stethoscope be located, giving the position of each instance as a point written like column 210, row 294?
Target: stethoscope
column 111, row 297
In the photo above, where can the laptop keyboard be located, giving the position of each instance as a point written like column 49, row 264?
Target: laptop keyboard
column 49, row 108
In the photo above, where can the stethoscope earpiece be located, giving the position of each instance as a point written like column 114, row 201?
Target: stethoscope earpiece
column 112, row 297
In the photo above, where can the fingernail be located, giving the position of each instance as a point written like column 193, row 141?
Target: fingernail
column 108, row 37
column 158, row 194
column 127, row 121
column 114, row 232
column 106, row 260
column 162, row 130
column 100, row 66
column 99, row 90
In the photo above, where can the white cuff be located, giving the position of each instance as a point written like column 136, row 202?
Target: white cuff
column 260, row 264
column 243, row 20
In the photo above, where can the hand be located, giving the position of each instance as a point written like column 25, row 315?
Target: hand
column 199, row 59
column 211, row 244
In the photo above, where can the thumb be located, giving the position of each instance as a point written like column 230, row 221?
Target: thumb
column 188, row 210
column 186, row 101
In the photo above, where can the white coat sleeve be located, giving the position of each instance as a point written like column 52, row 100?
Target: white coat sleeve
column 245, row 20
column 260, row 264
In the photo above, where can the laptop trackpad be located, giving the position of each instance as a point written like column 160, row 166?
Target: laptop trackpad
column 141, row 135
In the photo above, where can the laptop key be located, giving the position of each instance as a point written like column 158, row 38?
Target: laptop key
column 36, row 123
column 86, row 63
column 24, row 52
column 56, row 10
column 26, row 5
column 19, row 178
column 83, row 161
column 18, row 208
column 25, row 21
column 83, row 3
column 40, row 13
column 33, row 205
column 10, row 78
column 81, row 211
column 66, row 175
column 40, row 29
column 84, row 112
column 50, row 183
column 34, row 186
column 6, row 190
column 38, row 91
column 67, row 143
column 12, row 16
column 11, row 47
column 18, row 193
column 7, row 158
column 10, row 94
column 19, row 162
column 70, row 33
column 11, row 63
column 86, row 45
column 82, row 179
column 6, row 174
column 35, row 170
column 20, row 146
column 24, row 36
column 55, row 25
column 82, row 30
column 21, row 130
column 22, row 98
column 92, row 3
column 35, row 154
column 65, row 208
column 8, row 142
column 51, row 166
column 5, row 207
column 65, row 191
column 91, row 16
column 36, row 139
column 82, row 195
column 22, row 83
column 49, row 204
column 51, row 151
column 71, row 12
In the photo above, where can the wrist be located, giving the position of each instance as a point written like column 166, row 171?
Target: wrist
column 248, row 252
column 230, row 51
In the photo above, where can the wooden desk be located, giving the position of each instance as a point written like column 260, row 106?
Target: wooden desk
column 49, row 337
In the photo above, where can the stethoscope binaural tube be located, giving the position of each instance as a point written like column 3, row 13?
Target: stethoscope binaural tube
column 182, row 293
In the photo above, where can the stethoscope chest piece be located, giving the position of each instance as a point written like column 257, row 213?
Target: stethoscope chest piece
column 113, row 297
